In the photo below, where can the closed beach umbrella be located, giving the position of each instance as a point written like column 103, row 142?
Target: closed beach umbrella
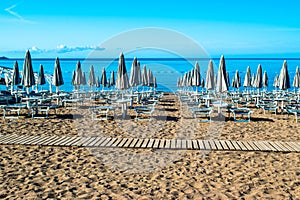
column 253, row 80
column 133, row 80
column 57, row 79
column 28, row 79
column 179, row 82
column 284, row 79
column 97, row 84
column 41, row 77
column 210, row 77
column 247, row 80
column 196, row 75
column 139, row 73
column 222, row 85
column 154, row 82
column 144, row 76
column 92, row 78
column 112, row 79
column 150, row 78
column 202, row 84
column 237, row 80
column 233, row 83
column 16, row 76
column 78, row 76
column 83, row 79
column 227, row 79
column 265, row 80
column 103, row 80
column 276, row 81
column 296, row 81
column 122, row 76
column 258, row 78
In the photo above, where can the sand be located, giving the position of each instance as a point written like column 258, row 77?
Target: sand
column 98, row 173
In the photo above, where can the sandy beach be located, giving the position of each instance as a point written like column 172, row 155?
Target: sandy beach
column 119, row 173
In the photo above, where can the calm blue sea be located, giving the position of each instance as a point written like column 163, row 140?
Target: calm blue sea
column 166, row 71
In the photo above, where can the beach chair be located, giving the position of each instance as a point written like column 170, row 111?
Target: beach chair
column 143, row 112
column 271, row 106
column 294, row 110
column 42, row 108
column 101, row 112
column 12, row 108
column 202, row 114
column 241, row 112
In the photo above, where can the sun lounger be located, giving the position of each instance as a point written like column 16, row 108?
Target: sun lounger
column 101, row 112
column 202, row 114
column 293, row 110
column 242, row 112
column 13, row 108
column 42, row 108
column 143, row 112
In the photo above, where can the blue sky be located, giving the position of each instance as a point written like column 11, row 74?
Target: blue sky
column 76, row 28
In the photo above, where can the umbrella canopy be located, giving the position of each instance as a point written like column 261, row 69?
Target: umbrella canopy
column 139, row 73
column 144, row 76
column 202, row 83
column 103, row 80
column 83, row 79
column 92, row 79
column 276, row 81
column 112, row 79
column 97, row 84
column 16, row 74
column 78, row 75
column 258, row 78
column 28, row 79
column 237, row 80
column 179, row 82
column 134, row 79
column 122, row 76
column 296, row 81
column 284, row 79
column 227, row 79
column 265, row 80
column 150, row 78
column 41, row 77
column 253, row 80
column 154, row 82
column 196, row 75
column 57, row 79
column 247, row 81
column 222, row 85
column 210, row 77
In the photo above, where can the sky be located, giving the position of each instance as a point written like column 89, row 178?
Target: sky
column 69, row 29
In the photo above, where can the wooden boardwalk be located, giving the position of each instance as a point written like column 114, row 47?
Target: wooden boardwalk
column 174, row 144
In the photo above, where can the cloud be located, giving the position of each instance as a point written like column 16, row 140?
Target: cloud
column 65, row 49
column 15, row 14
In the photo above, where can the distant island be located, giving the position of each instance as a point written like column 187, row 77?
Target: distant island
column 3, row 58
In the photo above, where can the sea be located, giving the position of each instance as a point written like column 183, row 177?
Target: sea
column 166, row 70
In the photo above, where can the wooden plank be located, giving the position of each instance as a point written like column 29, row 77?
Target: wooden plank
column 270, row 147
column 254, row 147
column 183, row 144
column 14, row 140
column 178, row 144
column 150, row 143
column 87, row 142
column 73, row 141
column 66, row 138
column 168, row 144
column 54, row 142
column 218, row 145
column 104, row 143
column 223, row 143
column 260, row 147
column 162, row 144
column 294, row 145
column 40, row 142
column 139, row 143
column 95, row 140
column 249, row 148
column 284, row 148
column 189, row 144
column 195, row 144
column 206, row 145
column 121, row 144
column 111, row 142
column 236, row 145
column 132, row 144
column 145, row 142
column 212, row 145
column 285, row 145
column 46, row 141
column 275, row 146
column 265, row 146
column 156, row 143
column 242, row 146
column 230, row 145
column 31, row 139
column 2, row 138
column 201, row 144
column 115, row 144
column 99, row 142
column 8, row 138
column 127, row 143
column 173, row 144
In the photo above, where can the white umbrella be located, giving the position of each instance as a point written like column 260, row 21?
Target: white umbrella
column 122, row 76
column 296, row 81
column 222, row 85
column 57, row 79
column 92, row 79
column 144, row 76
column 196, row 76
column 133, row 80
column 265, row 80
column 28, row 79
column 258, row 78
column 284, row 79
column 16, row 76
column 103, row 80
column 247, row 80
column 78, row 76
column 210, row 77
